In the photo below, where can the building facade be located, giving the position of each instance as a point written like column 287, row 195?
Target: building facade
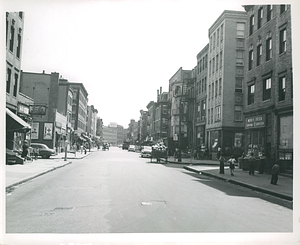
column 224, row 122
column 201, row 96
column 268, row 87
column 18, row 120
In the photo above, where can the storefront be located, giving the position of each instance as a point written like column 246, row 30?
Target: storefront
column 285, row 142
column 258, row 135
column 17, row 130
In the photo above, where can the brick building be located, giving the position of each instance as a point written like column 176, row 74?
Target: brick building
column 224, row 102
column 268, row 87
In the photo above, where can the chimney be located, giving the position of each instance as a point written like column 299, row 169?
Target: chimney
column 160, row 90
column 157, row 93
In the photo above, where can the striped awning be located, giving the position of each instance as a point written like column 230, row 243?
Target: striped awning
column 15, row 123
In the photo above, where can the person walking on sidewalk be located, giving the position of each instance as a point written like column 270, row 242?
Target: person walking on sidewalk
column 222, row 161
column 275, row 172
column 25, row 149
column 232, row 162
column 251, row 164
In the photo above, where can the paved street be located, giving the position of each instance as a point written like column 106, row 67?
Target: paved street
column 115, row 191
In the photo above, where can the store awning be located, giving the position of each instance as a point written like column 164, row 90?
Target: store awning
column 15, row 123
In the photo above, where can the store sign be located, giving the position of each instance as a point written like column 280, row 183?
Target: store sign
column 37, row 109
column 256, row 122
column 48, row 132
column 35, row 131
column 23, row 109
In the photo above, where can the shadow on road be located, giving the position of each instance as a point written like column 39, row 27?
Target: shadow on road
column 235, row 190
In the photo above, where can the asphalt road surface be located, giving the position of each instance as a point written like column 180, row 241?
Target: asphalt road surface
column 116, row 191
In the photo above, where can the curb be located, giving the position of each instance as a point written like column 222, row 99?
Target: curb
column 8, row 188
column 249, row 186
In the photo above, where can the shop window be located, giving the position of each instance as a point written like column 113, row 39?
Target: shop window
column 281, row 88
column 267, row 89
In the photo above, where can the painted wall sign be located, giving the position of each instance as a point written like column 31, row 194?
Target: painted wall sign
column 48, row 131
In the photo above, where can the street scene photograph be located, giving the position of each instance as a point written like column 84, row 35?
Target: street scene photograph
column 149, row 122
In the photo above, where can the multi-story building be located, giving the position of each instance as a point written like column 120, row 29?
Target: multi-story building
column 201, row 96
column 91, row 120
column 178, row 108
column 48, row 124
column 151, row 130
column 224, row 122
column 268, row 87
column 143, row 124
column 162, row 115
column 17, row 104
column 79, row 110
column 110, row 135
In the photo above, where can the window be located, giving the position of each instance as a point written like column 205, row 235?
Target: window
column 269, row 49
column 267, row 89
column 216, row 89
column 200, row 65
column 208, row 118
column 260, row 17
column 281, row 88
column 212, row 115
column 221, row 33
column 11, row 41
column 8, row 80
column 218, row 37
column 238, row 113
column 218, row 113
column 259, row 54
column 214, row 40
column 212, row 90
column 205, row 61
column 269, row 12
column 16, row 85
column 19, row 46
column 220, row 86
column 210, row 67
column 250, row 60
column 209, row 92
column 21, row 15
column 221, row 60
column 6, row 29
column 282, row 40
column 251, row 90
column 282, row 8
column 213, row 66
column 239, row 57
column 251, row 27
column 240, row 30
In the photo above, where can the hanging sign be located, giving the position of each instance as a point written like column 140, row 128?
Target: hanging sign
column 256, row 122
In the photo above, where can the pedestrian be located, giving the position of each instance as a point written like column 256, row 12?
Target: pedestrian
column 275, row 172
column 25, row 150
column 219, row 153
column 222, row 161
column 178, row 154
column 251, row 164
column 232, row 162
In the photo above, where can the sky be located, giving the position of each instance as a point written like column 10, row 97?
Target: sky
column 122, row 51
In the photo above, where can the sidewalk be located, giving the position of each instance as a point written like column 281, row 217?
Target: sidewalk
column 257, row 182
column 19, row 173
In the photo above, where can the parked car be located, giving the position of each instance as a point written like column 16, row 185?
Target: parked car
column 43, row 150
column 125, row 146
column 131, row 148
column 146, row 151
